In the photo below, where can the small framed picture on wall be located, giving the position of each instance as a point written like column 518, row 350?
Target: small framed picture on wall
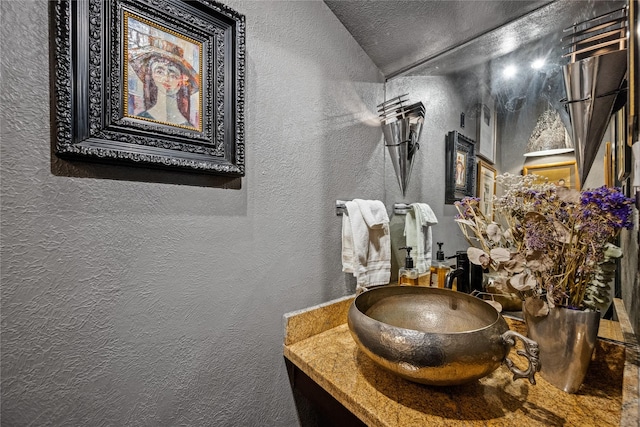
column 460, row 167
column 561, row 173
column 622, row 153
column 486, row 188
column 486, row 130
column 609, row 165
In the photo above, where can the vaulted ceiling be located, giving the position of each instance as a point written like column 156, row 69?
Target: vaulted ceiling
column 398, row 34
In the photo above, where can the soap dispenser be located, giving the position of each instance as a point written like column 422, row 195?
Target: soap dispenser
column 439, row 268
column 408, row 275
column 440, row 253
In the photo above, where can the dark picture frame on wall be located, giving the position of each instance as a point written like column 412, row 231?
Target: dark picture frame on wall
column 148, row 83
column 460, row 167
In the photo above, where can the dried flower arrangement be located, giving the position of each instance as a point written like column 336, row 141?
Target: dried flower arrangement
column 549, row 244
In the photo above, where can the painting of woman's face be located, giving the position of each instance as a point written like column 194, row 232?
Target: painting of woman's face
column 163, row 78
column 461, row 176
column 167, row 77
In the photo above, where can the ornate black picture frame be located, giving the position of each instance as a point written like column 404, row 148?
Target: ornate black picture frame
column 150, row 82
column 460, row 167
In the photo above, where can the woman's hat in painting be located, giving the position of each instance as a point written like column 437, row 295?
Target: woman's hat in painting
column 160, row 48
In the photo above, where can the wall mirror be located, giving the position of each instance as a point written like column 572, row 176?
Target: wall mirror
column 513, row 75
column 510, row 80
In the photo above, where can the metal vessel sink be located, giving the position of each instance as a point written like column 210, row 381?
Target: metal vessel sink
column 435, row 336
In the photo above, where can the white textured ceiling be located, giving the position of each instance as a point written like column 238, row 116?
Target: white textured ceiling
column 397, row 34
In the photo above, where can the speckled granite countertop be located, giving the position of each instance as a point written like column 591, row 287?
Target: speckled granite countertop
column 318, row 341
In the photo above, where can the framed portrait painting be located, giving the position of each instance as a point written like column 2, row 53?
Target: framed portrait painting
column 150, row 83
column 486, row 188
column 164, row 86
column 460, row 175
column 559, row 173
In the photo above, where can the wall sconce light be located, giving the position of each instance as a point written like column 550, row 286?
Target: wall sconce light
column 401, row 125
column 594, row 79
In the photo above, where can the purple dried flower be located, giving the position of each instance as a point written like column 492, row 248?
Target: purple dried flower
column 570, row 228
column 608, row 204
column 466, row 207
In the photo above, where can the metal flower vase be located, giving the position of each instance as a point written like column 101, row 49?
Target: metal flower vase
column 566, row 339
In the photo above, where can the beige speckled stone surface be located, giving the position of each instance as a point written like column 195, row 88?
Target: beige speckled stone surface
column 306, row 323
column 379, row 398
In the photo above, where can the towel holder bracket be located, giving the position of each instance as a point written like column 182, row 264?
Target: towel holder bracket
column 341, row 207
column 401, row 208
column 398, row 208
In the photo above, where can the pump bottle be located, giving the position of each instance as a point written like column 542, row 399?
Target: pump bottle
column 408, row 275
column 439, row 268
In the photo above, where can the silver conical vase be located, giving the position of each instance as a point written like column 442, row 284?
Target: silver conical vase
column 566, row 339
column 401, row 138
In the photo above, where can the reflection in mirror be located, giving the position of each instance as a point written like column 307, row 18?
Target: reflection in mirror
column 513, row 76
column 594, row 80
column 515, row 72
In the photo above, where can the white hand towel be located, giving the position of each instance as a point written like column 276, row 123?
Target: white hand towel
column 374, row 213
column 417, row 231
column 366, row 244
column 378, row 259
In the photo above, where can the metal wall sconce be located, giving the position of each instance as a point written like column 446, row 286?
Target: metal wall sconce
column 401, row 125
column 597, row 49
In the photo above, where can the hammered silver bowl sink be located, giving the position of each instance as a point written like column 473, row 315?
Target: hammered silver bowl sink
column 435, row 336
